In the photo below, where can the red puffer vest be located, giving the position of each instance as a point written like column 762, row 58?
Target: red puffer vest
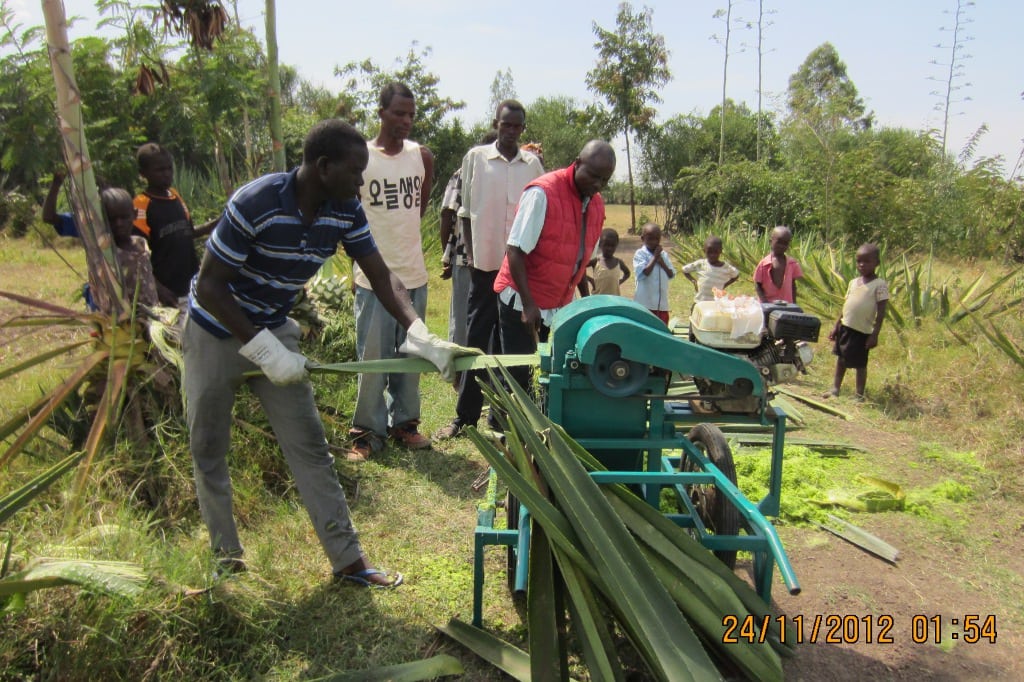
column 549, row 267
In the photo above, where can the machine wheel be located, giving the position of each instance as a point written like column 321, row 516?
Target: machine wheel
column 511, row 522
column 717, row 513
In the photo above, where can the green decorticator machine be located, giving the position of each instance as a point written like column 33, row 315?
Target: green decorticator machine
column 646, row 403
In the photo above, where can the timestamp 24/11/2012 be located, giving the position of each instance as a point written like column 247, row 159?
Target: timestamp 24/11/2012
column 852, row 629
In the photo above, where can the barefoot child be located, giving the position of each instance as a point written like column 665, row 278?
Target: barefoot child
column 653, row 271
column 776, row 275
column 856, row 332
column 609, row 272
column 711, row 271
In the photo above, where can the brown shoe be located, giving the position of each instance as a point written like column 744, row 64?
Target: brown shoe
column 408, row 436
column 364, row 444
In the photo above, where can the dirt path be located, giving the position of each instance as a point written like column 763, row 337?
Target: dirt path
column 938, row 581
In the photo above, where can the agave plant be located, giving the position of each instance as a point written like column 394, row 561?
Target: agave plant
column 118, row 355
column 614, row 564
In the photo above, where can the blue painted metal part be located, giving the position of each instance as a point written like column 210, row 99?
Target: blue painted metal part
column 605, row 371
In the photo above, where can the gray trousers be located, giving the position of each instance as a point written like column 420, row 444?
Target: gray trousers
column 384, row 400
column 213, row 374
column 458, row 312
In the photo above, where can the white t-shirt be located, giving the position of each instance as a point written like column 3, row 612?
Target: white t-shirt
column 390, row 196
column 861, row 305
column 709, row 277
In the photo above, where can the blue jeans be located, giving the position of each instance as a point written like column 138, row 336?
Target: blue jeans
column 213, row 374
column 384, row 400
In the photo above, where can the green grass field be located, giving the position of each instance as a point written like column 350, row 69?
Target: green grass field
column 944, row 420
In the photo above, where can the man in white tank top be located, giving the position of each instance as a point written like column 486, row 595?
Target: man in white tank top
column 394, row 196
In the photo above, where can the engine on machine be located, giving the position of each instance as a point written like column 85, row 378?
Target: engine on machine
column 774, row 337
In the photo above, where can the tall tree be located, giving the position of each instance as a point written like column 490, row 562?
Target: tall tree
column 726, row 16
column 502, row 88
column 825, row 111
column 761, row 24
column 822, row 95
column 632, row 65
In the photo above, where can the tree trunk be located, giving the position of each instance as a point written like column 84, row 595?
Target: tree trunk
column 223, row 173
column 104, row 274
column 276, row 136
column 721, row 135
column 632, row 197
column 250, row 155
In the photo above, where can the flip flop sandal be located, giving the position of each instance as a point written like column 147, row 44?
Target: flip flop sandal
column 361, row 578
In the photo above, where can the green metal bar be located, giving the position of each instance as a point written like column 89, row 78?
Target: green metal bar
column 522, row 550
column 597, row 444
column 663, row 477
column 769, row 506
column 641, row 343
column 482, row 537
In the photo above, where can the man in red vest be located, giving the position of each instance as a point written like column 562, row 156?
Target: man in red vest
column 556, row 228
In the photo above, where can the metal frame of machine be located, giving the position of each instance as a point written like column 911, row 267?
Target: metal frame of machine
column 605, row 378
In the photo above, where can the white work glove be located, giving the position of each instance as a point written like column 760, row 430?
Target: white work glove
column 421, row 343
column 281, row 365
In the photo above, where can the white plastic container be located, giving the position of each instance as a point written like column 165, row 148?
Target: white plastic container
column 728, row 323
column 709, row 316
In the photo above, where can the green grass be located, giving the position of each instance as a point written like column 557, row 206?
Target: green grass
column 959, row 408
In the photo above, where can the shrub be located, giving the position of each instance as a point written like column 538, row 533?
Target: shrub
column 17, row 212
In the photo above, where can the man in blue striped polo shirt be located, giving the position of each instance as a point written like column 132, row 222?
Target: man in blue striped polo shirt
column 275, row 233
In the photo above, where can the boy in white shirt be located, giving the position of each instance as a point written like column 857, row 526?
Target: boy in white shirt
column 653, row 270
column 711, row 271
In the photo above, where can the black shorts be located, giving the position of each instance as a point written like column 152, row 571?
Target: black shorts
column 851, row 347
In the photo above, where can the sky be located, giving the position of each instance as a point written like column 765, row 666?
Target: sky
column 887, row 46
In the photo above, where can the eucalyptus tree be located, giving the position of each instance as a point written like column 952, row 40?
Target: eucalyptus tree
column 274, row 89
column 822, row 96
column 632, row 65
column 825, row 114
